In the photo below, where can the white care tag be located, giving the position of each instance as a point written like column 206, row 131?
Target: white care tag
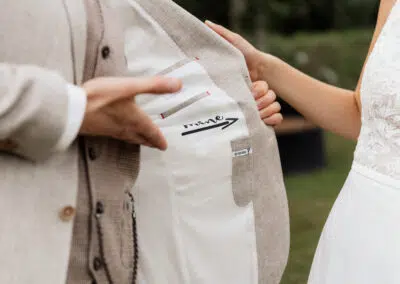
column 242, row 153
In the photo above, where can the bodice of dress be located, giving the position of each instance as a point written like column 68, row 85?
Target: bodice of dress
column 378, row 146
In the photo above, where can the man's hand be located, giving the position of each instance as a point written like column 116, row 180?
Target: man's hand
column 111, row 110
column 268, row 107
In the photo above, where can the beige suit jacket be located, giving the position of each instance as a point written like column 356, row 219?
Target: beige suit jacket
column 42, row 49
column 216, row 196
column 38, row 187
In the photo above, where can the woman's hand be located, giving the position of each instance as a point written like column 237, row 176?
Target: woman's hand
column 268, row 107
column 252, row 55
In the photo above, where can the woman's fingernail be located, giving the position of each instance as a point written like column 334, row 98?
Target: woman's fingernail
column 259, row 104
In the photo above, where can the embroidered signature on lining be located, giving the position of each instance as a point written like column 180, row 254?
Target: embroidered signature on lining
column 199, row 126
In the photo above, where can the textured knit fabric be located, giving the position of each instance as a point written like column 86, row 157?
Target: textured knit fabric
column 102, row 245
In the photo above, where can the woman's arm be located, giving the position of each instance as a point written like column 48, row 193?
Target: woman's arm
column 329, row 107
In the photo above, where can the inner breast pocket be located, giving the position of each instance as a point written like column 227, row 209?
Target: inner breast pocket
column 242, row 171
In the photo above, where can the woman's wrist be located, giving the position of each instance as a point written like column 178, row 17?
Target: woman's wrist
column 266, row 65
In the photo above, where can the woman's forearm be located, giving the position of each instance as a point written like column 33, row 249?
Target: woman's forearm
column 329, row 107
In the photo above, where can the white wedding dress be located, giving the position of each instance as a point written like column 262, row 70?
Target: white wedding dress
column 360, row 243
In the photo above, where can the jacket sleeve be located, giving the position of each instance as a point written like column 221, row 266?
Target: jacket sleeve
column 38, row 112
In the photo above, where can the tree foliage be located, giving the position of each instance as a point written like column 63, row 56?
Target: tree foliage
column 214, row 10
column 288, row 16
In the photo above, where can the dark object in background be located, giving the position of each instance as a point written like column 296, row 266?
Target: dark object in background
column 301, row 150
column 213, row 10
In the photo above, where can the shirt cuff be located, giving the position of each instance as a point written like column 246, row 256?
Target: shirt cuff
column 76, row 112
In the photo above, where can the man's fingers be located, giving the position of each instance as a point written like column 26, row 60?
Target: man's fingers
column 148, row 130
column 138, row 139
column 131, row 124
column 135, row 138
column 111, row 89
column 154, row 137
column 152, row 85
column 147, row 134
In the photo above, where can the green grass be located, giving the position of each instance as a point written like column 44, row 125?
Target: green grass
column 311, row 197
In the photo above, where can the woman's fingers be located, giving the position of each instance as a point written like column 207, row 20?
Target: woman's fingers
column 274, row 120
column 235, row 39
column 268, row 107
column 266, row 100
column 272, row 109
column 222, row 31
column 259, row 89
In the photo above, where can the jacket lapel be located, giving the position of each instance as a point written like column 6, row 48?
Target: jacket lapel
column 78, row 24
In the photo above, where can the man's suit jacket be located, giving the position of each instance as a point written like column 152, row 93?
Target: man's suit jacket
column 216, row 196
column 42, row 50
column 38, row 187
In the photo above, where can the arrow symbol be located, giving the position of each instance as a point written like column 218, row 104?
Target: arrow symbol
column 228, row 122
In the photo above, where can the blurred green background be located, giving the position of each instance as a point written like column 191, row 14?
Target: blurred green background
column 311, row 195
column 329, row 40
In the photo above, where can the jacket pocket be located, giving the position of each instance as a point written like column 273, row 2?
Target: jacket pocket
column 242, row 171
column 184, row 104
